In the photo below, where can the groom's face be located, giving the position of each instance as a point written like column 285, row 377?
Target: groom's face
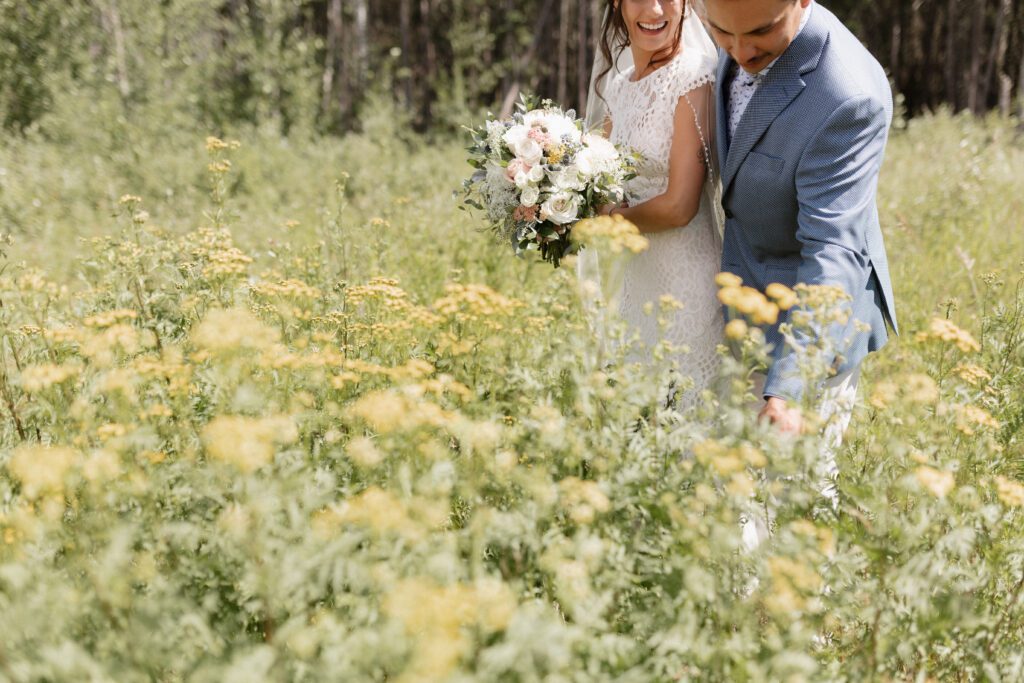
column 755, row 32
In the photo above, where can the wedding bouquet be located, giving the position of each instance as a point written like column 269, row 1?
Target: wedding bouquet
column 539, row 173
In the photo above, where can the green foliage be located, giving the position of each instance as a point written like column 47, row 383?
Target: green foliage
column 293, row 418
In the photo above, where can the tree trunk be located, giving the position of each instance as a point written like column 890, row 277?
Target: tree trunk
column 527, row 61
column 405, row 28
column 112, row 23
column 361, row 44
column 563, row 54
column 333, row 62
column 582, row 83
column 997, row 58
column 430, row 61
column 951, row 89
column 976, row 89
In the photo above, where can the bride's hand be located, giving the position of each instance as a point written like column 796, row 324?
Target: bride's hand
column 606, row 209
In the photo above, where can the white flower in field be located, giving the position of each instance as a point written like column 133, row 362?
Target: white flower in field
column 566, row 178
column 561, row 208
column 530, row 195
column 597, row 156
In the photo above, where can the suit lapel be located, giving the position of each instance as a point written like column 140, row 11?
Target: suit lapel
column 721, row 106
column 780, row 87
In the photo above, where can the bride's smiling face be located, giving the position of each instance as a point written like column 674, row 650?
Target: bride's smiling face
column 652, row 24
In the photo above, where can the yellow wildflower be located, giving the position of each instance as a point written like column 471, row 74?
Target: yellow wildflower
column 940, row 329
column 230, row 329
column 1010, row 492
column 247, row 443
column 968, row 417
column 937, row 482
column 41, row 469
column 785, row 298
column 736, row 329
column 728, row 280
column 617, row 233
column 36, row 378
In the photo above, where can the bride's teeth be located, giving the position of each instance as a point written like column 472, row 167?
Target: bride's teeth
column 653, row 27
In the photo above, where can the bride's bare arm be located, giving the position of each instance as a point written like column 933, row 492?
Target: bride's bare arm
column 686, row 170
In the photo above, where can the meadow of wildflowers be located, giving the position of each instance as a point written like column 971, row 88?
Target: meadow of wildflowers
column 276, row 411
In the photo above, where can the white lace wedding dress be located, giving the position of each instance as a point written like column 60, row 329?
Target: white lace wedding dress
column 681, row 262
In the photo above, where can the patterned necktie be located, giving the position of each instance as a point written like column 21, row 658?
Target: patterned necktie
column 743, row 87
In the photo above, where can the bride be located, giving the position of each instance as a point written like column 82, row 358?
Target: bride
column 657, row 98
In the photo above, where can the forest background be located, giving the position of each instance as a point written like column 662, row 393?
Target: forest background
column 321, row 65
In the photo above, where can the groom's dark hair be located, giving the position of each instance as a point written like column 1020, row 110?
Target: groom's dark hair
column 615, row 39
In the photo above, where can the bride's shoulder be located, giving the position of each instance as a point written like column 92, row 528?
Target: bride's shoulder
column 695, row 64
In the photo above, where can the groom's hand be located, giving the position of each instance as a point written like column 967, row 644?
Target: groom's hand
column 785, row 418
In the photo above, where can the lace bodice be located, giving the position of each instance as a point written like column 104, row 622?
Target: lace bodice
column 642, row 115
column 680, row 262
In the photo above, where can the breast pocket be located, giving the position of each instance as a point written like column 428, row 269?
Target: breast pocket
column 763, row 163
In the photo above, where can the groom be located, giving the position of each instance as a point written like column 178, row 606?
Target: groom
column 803, row 116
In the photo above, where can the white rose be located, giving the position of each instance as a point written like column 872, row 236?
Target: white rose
column 529, row 196
column 514, row 135
column 529, row 151
column 597, row 156
column 561, row 208
column 534, row 174
column 567, row 178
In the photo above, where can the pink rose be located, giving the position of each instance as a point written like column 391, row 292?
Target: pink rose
column 540, row 137
column 515, row 167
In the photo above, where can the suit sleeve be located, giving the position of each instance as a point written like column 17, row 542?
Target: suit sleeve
column 836, row 181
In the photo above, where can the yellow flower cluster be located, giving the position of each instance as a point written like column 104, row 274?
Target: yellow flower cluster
column 41, row 469
column 440, row 619
column 391, row 410
column 214, row 144
column 745, row 300
column 937, row 482
column 108, row 318
column 224, row 330
column 613, row 232
column 36, row 378
column 103, row 347
column 968, row 417
column 289, row 289
column 791, row 581
column 583, row 498
column 940, row 329
column 912, row 387
column 975, row 375
column 245, row 442
column 226, row 261
column 473, row 302
column 825, row 536
column 1010, row 492
column 382, row 289
column 731, row 463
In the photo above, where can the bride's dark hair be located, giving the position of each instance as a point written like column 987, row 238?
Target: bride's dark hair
column 615, row 39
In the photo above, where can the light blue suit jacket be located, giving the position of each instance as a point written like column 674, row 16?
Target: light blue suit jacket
column 798, row 186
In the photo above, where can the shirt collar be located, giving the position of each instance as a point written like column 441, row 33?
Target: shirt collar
column 759, row 76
